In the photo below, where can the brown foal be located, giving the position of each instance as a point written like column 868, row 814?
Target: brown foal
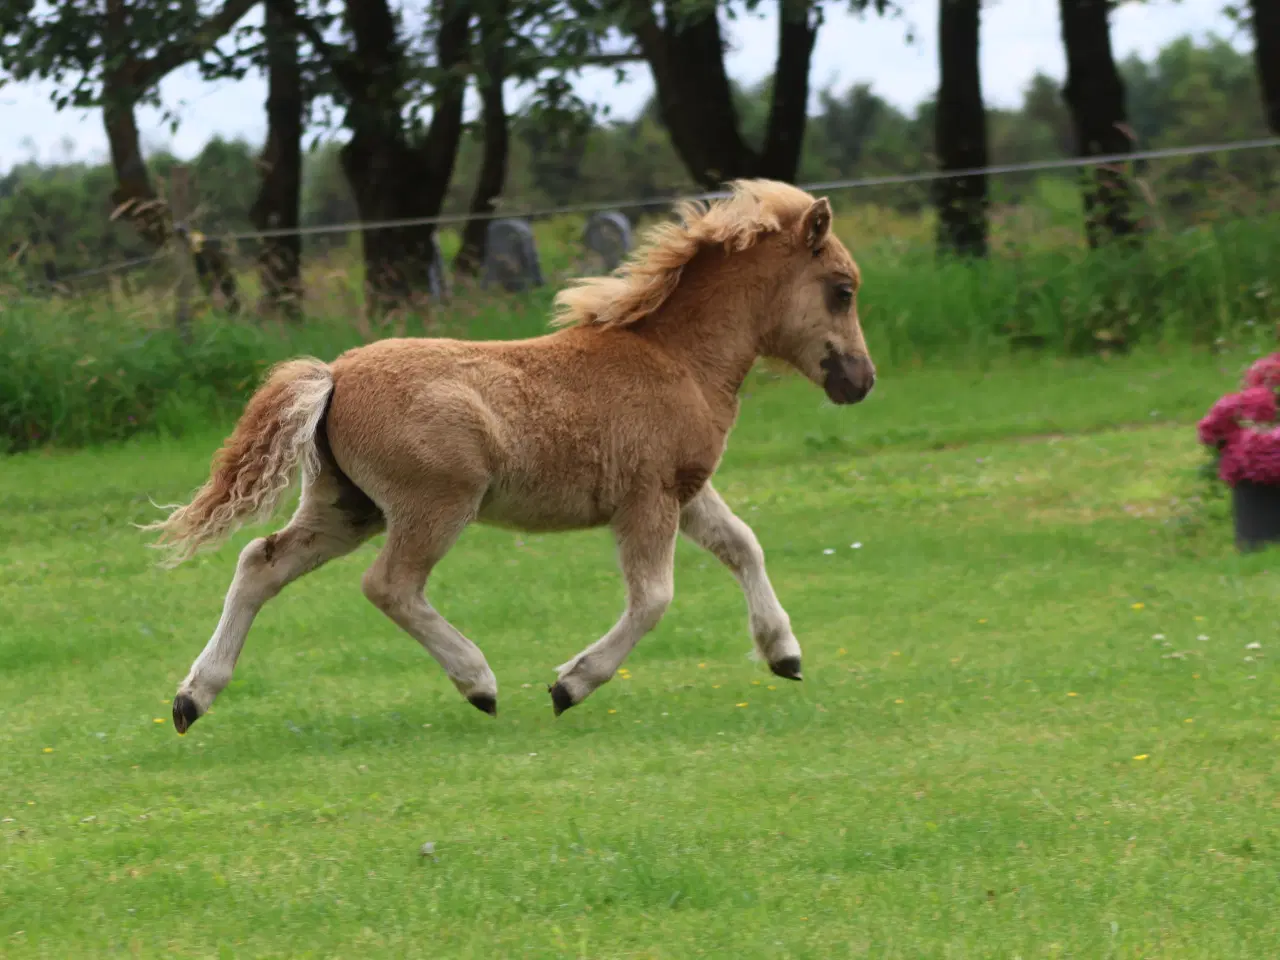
column 620, row 418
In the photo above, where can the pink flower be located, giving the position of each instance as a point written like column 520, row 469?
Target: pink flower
column 1252, row 455
column 1258, row 405
column 1225, row 419
column 1264, row 373
column 1236, row 428
column 1218, row 426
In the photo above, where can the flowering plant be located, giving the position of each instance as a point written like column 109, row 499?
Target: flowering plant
column 1240, row 428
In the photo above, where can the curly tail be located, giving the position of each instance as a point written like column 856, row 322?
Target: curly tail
column 257, row 463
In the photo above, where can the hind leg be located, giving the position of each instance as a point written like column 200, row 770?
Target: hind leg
column 396, row 582
column 326, row 525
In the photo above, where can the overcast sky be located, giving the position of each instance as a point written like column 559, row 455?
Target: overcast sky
column 1019, row 37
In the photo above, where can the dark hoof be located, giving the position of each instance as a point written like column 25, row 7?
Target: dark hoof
column 560, row 698
column 185, row 713
column 788, row 668
column 485, row 702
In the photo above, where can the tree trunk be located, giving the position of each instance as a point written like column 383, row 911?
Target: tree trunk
column 134, row 196
column 126, row 78
column 1266, row 53
column 788, row 112
column 382, row 171
column 391, row 177
column 439, row 150
column 493, row 166
column 695, row 101
column 960, row 131
column 695, row 98
column 279, row 191
column 1095, row 95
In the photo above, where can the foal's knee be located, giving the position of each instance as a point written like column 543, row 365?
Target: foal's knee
column 735, row 545
column 746, row 549
column 393, row 597
column 378, row 590
column 258, row 573
column 651, row 605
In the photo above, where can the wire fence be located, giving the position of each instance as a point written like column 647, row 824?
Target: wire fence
column 855, row 183
column 516, row 244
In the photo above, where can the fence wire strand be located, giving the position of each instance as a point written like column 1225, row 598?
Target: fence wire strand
column 850, row 184
column 855, row 183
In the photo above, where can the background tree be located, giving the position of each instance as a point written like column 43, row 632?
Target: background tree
column 683, row 44
column 112, row 54
column 1095, row 95
column 278, row 204
column 961, row 131
column 539, row 44
column 56, row 211
column 398, row 166
column 492, row 177
column 1265, row 15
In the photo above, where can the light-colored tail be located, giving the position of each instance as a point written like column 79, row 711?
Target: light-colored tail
column 257, row 463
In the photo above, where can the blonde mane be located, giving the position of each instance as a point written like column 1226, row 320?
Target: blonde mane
column 649, row 276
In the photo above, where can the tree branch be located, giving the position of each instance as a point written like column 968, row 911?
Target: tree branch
column 172, row 56
column 348, row 76
column 440, row 145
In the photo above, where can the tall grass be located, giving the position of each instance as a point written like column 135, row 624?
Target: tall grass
column 90, row 369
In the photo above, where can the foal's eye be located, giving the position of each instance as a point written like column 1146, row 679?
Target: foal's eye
column 844, row 294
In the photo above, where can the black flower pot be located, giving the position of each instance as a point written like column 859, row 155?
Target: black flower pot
column 1257, row 512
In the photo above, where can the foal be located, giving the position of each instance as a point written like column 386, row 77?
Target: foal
column 619, row 419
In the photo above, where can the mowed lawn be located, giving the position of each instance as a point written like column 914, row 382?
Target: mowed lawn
column 1034, row 721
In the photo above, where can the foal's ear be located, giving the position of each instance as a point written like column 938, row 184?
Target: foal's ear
column 816, row 224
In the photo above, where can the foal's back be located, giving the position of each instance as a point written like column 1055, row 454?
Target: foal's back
column 556, row 432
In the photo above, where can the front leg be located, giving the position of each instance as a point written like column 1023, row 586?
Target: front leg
column 646, row 536
column 708, row 522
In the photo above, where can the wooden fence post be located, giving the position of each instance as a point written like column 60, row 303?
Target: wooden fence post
column 180, row 208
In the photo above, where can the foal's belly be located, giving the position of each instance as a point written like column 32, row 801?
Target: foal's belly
column 534, row 509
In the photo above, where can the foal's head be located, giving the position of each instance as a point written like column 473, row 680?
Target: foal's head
column 814, row 325
column 801, row 279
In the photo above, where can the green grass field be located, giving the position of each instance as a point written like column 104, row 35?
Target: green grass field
column 1032, row 723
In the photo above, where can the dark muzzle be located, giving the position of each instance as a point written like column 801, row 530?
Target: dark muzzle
column 849, row 376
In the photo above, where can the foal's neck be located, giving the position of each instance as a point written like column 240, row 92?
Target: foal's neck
column 717, row 335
